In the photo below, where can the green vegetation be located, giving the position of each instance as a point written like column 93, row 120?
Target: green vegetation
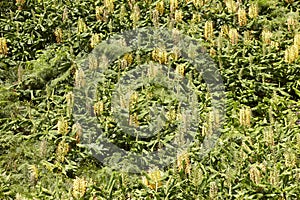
column 255, row 45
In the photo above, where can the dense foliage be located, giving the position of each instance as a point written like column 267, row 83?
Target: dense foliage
column 255, row 45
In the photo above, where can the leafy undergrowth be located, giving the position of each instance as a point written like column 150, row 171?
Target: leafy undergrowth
column 255, row 45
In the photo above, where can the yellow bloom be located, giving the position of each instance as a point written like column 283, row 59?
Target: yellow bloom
column 135, row 15
column 160, row 55
column 61, row 151
column 62, row 126
column 95, row 39
column 291, row 22
column 233, row 36
column 3, row 46
column 180, row 69
column 178, row 16
column 297, row 39
column 58, row 35
column 98, row 108
column 266, row 36
column 208, row 30
column 231, row 6
column 81, row 27
column 255, row 174
column 160, row 7
column 173, row 5
column 155, row 179
column 183, row 162
column 109, row 5
column 291, row 54
column 245, row 116
column 79, row 188
column 253, row 11
column 242, row 18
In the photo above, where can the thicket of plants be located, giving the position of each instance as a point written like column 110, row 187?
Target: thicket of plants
column 255, row 45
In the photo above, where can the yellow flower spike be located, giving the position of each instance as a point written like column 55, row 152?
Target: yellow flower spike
column 58, row 35
column 178, row 16
column 196, row 18
column 242, row 18
column 95, row 39
column 43, row 148
column 79, row 188
column 274, row 177
column 287, row 55
column 160, row 7
column 269, row 136
column 245, row 116
column 62, row 126
column 134, row 97
column 233, row 36
column 155, row 18
column 291, row 22
column 171, row 115
column 3, row 46
column 127, row 60
column 180, row 69
column 183, row 162
column 209, row 124
column 266, row 36
column 291, row 54
column 160, row 55
column 98, row 108
column 224, row 30
column 295, row 51
column 231, row 6
column 290, row 159
column 61, row 151
column 123, row 12
column 173, row 5
column 20, row 2
column 20, row 73
column 109, row 5
column 247, row 38
column 135, row 15
column 101, row 13
column 275, row 45
column 213, row 190
column 133, row 120
column 253, row 11
column 297, row 39
column 81, row 27
column 298, row 140
column 34, row 173
column 198, row 3
column 155, row 181
column 208, row 30
column 175, row 36
column 255, row 175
